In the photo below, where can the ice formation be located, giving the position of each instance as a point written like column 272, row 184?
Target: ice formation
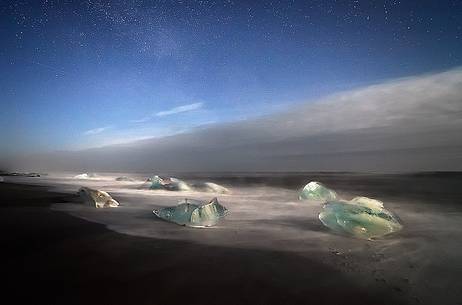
column 97, row 199
column 361, row 217
column 315, row 191
column 211, row 187
column 193, row 213
column 174, row 184
column 85, row 176
column 1, row 179
column 15, row 174
column 169, row 184
column 124, row 178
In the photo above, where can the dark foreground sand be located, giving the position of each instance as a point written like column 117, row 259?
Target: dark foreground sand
column 51, row 257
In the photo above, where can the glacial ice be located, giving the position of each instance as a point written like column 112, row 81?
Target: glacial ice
column 315, row 191
column 97, row 199
column 193, row 213
column 361, row 217
column 85, row 176
column 211, row 187
column 124, row 178
column 16, row 174
column 174, row 184
column 169, row 184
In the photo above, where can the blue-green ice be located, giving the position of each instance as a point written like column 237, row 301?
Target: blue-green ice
column 193, row 213
column 361, row 217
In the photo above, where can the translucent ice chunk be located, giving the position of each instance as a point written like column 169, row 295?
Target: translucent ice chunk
column 316, row 191
column 169, row 184
column 97, row 199
column 85, row 176
column 193, row 213
column 211, row 187
column 359, row 220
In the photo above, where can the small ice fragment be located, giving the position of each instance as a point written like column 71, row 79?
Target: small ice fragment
column 85, row 176
column 124, row 178
column 356, row 219
column 97, row 199
column 211, row 187
column 169, row 184
column 16, row 174
column 315, row 191
column 32, row 175
column 193, row 213
column 1, row 179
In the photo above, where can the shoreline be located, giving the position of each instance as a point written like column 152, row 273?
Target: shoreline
column 61, row 259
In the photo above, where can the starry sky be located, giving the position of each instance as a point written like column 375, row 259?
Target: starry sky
column 82, row 74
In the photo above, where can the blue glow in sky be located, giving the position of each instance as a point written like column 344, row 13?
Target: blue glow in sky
column 80, row 74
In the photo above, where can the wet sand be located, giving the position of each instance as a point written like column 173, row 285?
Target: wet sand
column 54, row 258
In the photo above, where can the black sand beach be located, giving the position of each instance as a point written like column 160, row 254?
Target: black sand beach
column 50, row 257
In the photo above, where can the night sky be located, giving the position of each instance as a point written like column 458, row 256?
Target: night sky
column 79, row 74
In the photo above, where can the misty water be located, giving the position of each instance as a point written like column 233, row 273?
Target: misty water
column 266, row 213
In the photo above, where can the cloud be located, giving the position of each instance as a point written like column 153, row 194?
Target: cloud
column 143, row 119
column 180, row 109
column 176, row 110
column 408, row 124
column 96, row 130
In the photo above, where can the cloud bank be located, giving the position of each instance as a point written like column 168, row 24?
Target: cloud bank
column 409, row 124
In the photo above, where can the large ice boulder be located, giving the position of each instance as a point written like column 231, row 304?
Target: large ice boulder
column 168, row 183
column 210, row 187
column 193, row 213
column 97, row 199
column 316, row 191
column 361, row 217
